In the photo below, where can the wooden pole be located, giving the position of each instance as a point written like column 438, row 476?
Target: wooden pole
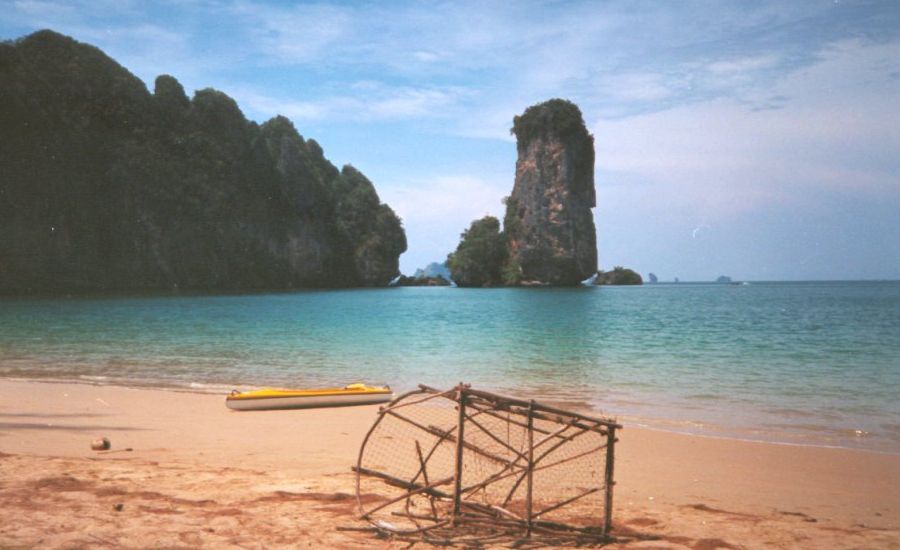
column 460, row 445
column 424, row 470
column 610, row 463
column 411, row 492
column 559, row 505
column 502, row 400
column 529, row 486
column 434, row 430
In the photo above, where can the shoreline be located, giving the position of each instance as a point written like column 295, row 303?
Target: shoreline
column 720, row 432
column 275, row 466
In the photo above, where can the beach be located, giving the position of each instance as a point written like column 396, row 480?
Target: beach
column 184, row 471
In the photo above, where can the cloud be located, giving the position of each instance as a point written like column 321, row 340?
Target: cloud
column 426, row 57
column 41, row 10
column 448, row 199
column 721, row 157
column 366, row 101
column 767, row 188
column 268, row 106
column 742, row 65
column 407, row 102
column 636, row 87
column 300, row 33
column 436, row 210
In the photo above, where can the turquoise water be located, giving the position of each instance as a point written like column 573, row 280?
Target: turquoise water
column 814, row 363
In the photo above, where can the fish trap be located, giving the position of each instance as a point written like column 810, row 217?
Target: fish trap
column 469, row 467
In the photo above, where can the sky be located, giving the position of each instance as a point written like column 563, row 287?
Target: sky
column 758, row 140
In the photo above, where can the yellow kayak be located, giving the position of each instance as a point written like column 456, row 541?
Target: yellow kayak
column 274, row 398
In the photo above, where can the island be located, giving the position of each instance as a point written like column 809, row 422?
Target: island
column 548, row 236
column 108, row 187
column 618, row 276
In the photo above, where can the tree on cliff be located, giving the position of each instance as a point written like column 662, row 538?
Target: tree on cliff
column 481, row 255
column 106, row 186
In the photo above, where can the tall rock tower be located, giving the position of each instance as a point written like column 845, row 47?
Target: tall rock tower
column 548, row 223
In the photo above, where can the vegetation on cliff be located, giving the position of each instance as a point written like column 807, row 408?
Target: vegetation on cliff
column 480, row 257
column 618, row 276
column 106, row 186
column 559, row 117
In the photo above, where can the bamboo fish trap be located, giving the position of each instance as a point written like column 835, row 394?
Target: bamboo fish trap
column 470, row 467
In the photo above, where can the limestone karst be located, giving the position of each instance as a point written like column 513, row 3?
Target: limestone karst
column 106, row 186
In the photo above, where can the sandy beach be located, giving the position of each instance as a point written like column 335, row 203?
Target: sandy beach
column 184, row 471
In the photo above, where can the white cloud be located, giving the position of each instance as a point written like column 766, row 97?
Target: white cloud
column 447, row 199
column 301, row 33
column 365, row 101
column 426, row 57
column 742, row 65
column 634, row 87
column 837, row 132
column 47, row 11
column 435, row 211
column 408, row 102
column 268, row 106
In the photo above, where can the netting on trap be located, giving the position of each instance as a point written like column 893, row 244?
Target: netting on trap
column 467, row 465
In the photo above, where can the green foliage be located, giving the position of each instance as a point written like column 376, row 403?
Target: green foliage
column 618, row 276
column 511, row 274
column 356, row 201
column 480, row 257
column 170, row 93
column 512, row 221
column 559, row 116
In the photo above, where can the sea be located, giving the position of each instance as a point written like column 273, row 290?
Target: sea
column 802, row 363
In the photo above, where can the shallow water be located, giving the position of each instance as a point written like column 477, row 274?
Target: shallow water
column 814, row 363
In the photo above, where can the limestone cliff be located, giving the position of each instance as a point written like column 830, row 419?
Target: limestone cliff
column 548, row 224
column 105, row 186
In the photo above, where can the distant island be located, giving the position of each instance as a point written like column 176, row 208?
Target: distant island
column 434, row 274
column 434, row 269
column 405, row 280
column 106, row 186
column 618, row 276
column 548, row 236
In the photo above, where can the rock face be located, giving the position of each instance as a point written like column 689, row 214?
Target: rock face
column 105, row 186
column 548, row 223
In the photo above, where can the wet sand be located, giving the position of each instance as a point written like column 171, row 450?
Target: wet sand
column 184, row 471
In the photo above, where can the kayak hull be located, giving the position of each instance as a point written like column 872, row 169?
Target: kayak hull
column 262, row 400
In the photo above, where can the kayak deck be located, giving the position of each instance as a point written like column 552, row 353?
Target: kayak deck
column 278, row 398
